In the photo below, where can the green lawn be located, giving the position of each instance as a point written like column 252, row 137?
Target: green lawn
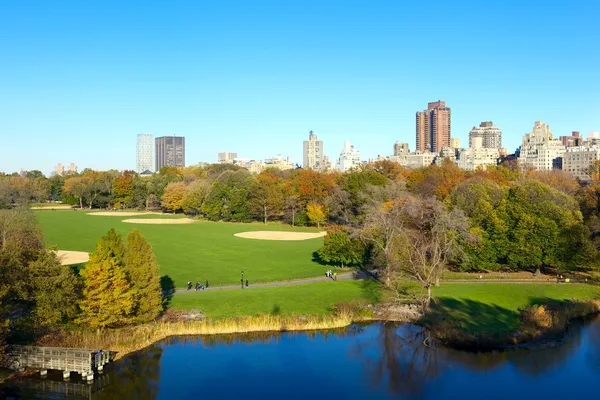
column 494, row 307
column 309, row 299
column 195, row 252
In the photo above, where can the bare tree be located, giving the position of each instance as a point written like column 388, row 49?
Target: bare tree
column 413, row 236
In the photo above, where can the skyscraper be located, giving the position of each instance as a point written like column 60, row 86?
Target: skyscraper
column 491, row 136
column 433, row 127
column 170, row 152
column 540, row 150
column 349, row 158
column 143, row 160
column 313, row 152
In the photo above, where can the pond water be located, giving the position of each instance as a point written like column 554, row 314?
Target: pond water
column 372, row 361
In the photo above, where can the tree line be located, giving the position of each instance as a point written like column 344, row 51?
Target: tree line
column 380, row 215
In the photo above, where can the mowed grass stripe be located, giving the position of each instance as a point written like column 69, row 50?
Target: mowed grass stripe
column 196, row 252
column 309, row 299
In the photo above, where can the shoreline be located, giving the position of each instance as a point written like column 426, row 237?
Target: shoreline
column 127, row 340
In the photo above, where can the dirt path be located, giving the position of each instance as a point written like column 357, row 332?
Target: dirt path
column 341, row 277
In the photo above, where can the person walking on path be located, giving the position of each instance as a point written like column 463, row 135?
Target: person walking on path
column 206, row 284
column 246, row 282
column 335, row 276
column 242, row 281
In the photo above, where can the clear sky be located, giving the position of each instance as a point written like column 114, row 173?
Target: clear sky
column 80, row 79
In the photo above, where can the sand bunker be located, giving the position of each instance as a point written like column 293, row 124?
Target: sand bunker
column 277, row 235
column 122, row 213
column 159, row 221
column 72, row 257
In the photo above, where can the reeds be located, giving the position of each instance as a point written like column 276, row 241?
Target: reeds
column 129, row 339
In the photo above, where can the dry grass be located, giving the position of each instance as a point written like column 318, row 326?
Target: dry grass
column 127, row 340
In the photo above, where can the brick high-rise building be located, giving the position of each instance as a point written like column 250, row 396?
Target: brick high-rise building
column 433, row 127
column 170, row 152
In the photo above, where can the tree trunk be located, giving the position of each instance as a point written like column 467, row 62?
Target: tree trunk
column 293, row 217
column 428, row 300
column 80, row 202
column 437, row 281
column 265, row 214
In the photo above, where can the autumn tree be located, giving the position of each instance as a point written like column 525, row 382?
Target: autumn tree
column 107, row 300
column 76, row 186
column 142, row 271
column 194, row 196
column 316, row 214
column 313, row 186
column 172, row 199
column 267, row 196
column 123, row 189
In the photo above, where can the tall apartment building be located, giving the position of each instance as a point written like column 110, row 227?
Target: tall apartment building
column 226, row 157
column 540, row 150
column 455, row 143
column 144, row 159
column 400, row 149
column 575, row 140
column 578, row 160
column 313, row 153
column 477, row 156
column 349, row 158
column 490, row 135
column 170, row 152
column 433, row 127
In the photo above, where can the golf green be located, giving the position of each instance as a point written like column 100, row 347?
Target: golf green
column 194, row 252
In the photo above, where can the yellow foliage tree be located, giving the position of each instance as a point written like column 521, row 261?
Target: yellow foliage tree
column 172, row 198
column 316, row 214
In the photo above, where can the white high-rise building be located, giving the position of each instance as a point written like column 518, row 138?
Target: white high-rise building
column 349, row 158
column 144, row 158
column 477, row 156
column 491, row 136
column 540, row 150
column 313, row 152
column 226, row 157
column 59, row 169
column 72, row 168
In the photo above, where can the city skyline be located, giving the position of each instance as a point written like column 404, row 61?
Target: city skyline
column 256, row 78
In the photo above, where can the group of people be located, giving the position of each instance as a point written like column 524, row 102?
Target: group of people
column 199, row 286
column 331, row 275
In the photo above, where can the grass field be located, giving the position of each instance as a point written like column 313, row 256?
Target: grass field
column 494, row 307
column 309, row 299
column 195, row 252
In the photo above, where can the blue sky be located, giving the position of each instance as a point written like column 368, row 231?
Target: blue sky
column 79, row 80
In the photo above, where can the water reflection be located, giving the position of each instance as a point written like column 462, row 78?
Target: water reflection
column 398, row 357
column 362, row 361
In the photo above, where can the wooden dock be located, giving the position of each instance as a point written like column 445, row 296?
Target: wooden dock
column 86, row 362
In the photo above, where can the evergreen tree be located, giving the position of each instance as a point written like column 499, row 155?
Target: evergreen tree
column 53, row 290
column 142, row 270
column 107, row 296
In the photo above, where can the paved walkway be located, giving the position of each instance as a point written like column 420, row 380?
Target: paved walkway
column 340, row 277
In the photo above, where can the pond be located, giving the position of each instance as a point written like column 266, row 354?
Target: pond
column 363, row 361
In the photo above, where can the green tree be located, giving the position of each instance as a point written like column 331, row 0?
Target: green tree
column 228, row 197
column 194, row 196
column 108, row 300
column 54, row 290
column 142, row 271
column 340, row 248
